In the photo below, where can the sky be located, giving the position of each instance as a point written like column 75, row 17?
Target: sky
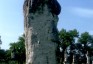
column 75, row 14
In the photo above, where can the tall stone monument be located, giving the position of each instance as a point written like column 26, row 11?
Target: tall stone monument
column 41, row 34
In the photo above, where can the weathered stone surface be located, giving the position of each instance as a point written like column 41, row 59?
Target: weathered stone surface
column 41, row 35
column 35, row 5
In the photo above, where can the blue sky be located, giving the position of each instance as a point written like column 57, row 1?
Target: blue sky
column 75, row 14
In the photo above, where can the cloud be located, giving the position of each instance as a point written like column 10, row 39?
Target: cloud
column 83, row 12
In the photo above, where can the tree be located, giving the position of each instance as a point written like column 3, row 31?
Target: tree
column 2, row 55
column 87, row 40
column 18, row 50
column 84, row 39
column 8, row 56
column 67, row 38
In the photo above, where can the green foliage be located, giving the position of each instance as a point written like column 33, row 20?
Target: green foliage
column 18, row 49
column 2, row 55
column 8, row 55
column 68, row 37
column 84, row 38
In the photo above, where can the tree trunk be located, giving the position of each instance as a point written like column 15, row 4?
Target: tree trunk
column 41, row 35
